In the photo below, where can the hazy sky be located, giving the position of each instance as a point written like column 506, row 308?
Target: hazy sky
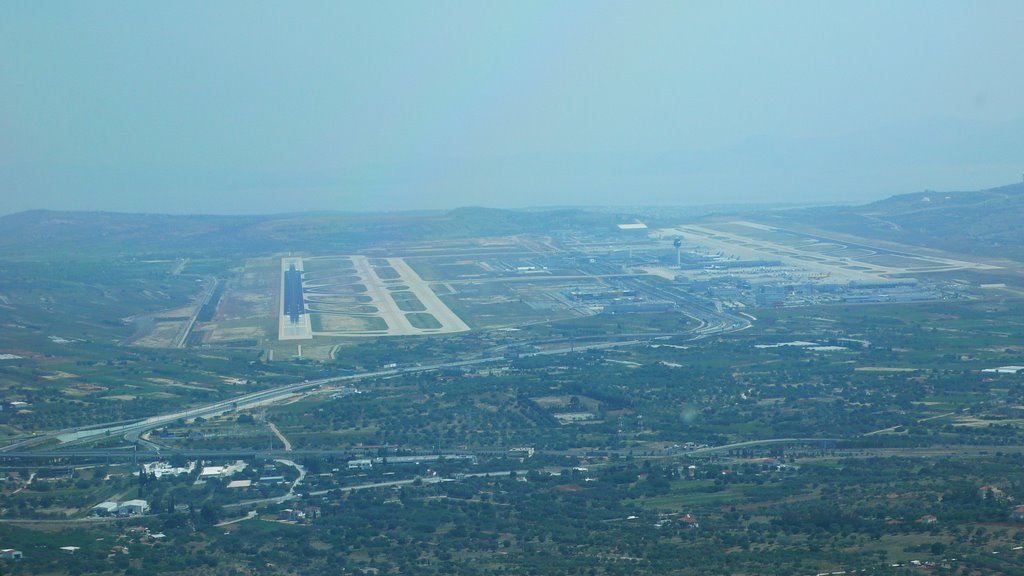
column 220, row 107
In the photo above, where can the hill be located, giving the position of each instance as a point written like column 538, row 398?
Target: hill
column 983, row 223
column 40, row 233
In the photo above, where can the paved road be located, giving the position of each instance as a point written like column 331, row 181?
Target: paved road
column 134, row 429
column 450, row 322
column 281, row 437
column 477, row 451
column 387, row 309
column 182, row 338
column 749, row 443
column 291, row 489
column 711, row 322
column 251, row 514
column 893, row 428
column 370, row 486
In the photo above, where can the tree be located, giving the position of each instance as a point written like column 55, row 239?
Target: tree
column 209, row 513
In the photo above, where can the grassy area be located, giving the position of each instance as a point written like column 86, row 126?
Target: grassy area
column 687, row 494
column 408, row 302
column 423, row 320
column 386, row 273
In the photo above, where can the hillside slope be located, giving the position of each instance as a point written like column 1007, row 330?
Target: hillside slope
column 984, row 223
column 58, row 234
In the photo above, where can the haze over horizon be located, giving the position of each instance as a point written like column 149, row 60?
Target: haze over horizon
column 238, row 107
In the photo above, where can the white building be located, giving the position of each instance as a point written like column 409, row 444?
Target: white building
column 105, row 508
column 1005, row 370
column 223, row 471
column 159, row 469
column 133, row 508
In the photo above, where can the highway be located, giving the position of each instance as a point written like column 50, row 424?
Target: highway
column 833, row 444
column 132, row 430
column 347, row 453
column 710, row 321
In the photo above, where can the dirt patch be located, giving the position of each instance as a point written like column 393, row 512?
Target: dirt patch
column 59, row 375
column 226, row 334
column 552, row 401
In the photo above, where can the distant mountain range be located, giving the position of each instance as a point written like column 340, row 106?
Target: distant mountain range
column 984, row 223
column 40, row 233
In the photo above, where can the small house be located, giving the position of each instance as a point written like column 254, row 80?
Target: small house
column 689, row 521
column 293, row 515
column 1017, row 514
